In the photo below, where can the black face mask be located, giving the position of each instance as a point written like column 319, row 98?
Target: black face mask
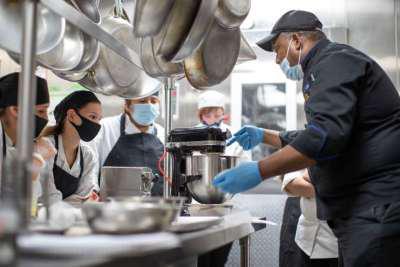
column 40, row 123
column 87, row 130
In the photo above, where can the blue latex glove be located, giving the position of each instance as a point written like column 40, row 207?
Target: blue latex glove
column 248, row 137
column 239, row 179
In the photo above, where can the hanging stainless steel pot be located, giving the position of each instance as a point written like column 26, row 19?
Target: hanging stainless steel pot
column 178, row 25
column 150, row 15
column 67, row 54
column 214, row 61
column 155, row 65
column 231, row 13
column 112, row 74
column 198, row 31
column 91, row 46
column 50, row 27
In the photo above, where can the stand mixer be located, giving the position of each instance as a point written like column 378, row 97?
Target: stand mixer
column 197, row 157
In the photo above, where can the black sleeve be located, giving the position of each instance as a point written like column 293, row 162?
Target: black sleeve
column 331, row 106
column 288, row 136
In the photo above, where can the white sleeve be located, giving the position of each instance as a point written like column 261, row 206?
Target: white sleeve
column 89, row 177
column 160, row 133
column 54, row 194
column 105, row 140
column 287, row 179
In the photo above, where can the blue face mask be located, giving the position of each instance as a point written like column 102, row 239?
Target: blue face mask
column 145, row 114
column 295, row 72
column 215, row 124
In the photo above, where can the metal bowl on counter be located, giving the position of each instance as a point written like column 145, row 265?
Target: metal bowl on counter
column 218, row 210
column 127, row 217
column 201, row 170
column 176, row 203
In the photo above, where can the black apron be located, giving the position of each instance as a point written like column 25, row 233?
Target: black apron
column 4, row 145
column 65, row 182
column 137, row 150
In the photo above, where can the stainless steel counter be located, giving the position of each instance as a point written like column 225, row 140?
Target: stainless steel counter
column 236, row 226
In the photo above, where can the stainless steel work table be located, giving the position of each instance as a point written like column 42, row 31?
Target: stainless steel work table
column 236, row 226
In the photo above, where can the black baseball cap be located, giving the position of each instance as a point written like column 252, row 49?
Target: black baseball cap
column 292, row 21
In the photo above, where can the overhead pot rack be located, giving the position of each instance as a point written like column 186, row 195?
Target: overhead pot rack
column 90, row 27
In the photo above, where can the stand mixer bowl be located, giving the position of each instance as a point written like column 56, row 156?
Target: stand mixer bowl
column 200, row 172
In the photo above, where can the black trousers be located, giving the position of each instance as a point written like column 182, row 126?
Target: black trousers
column 306, row 261
column 215, row 258
column 370, row 238
column 289, row 253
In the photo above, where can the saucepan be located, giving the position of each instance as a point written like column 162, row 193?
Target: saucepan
column 201, row 170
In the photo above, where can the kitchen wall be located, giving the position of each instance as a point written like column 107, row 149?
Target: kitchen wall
column 373, row 28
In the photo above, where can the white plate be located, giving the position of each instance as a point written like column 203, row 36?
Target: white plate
column 193, row 223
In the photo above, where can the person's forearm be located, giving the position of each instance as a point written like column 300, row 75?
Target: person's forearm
column 271, row 138
column 301, row 188
column 284, row 161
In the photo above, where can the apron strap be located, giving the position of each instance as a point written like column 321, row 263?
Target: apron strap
column 4, row 143
column 80, row 155
column 122, row 126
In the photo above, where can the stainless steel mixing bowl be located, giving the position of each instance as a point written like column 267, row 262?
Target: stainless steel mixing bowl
column 127, row 217
column 176, row 203
column 202, row 168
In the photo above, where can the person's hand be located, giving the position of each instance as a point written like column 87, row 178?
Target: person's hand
column 93, row 197
column 306, row 176
column 248, row 137
column 38, row 164
column 243, row 177
column 45, row 148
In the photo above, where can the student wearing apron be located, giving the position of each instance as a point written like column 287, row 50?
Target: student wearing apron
column 306, row 241
column 133, row 139
column 43, row 149
column 73, row 168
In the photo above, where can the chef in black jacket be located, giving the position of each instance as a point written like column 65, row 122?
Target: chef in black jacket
column 351, row 143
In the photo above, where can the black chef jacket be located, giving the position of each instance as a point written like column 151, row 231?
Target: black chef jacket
column 353, row 130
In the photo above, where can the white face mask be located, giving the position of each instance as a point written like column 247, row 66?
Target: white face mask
column 295, row 72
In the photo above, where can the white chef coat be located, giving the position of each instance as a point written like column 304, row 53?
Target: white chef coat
column 235, row 149
column 88, row 181
column 111, row 131
column 313, row 236
column 11, row 154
